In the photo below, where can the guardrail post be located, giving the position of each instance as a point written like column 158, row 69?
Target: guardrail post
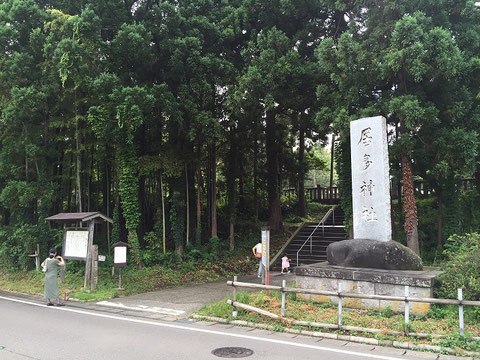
column 234, row 312
column 284, row 284
column 339, row 304
column 460, row 311
column 407, row 306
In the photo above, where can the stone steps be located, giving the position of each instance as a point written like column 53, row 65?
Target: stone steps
column 332, row 231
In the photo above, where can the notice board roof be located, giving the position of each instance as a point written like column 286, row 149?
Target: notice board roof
column 78, row 216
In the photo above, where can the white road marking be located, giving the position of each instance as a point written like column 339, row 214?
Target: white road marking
column 213, row 332
column 157, row 310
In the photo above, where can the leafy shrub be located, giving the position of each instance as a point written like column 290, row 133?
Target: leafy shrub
column 197, row 254
column 9, row 254
column 153, row 249
column 215, row 246
column 294, row 219
column 427, row 227
column 317, row 210
column 469, row 210
column 17, row 242
column 155, row 257
column 461, row 268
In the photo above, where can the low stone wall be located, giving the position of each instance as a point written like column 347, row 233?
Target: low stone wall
column 322, row 276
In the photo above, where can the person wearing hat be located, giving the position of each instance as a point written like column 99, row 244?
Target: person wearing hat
column 50, row 266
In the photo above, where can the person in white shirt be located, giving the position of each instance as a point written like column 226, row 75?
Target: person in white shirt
column 285, row 264
column 257, row 252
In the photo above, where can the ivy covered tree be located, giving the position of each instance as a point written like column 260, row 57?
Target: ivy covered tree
column 182, row 119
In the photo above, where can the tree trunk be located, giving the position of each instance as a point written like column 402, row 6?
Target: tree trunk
column 133, row 245
column 106, row 201
column 255, row 175
column 69, row 187
column 332, row 156
column 26, row 168
column 142, row 203
column 241, row 188
column 410, row 207
column 275, row 220
column 302, row 202
column 213, row 185
column 477, row 177
column 179, row 250
column 198, row 232
column 90, row 201
column 231, row 188
column 208, row 211
column 163, row 214
column 187, row 228
column 440, row 218
column 78, row 191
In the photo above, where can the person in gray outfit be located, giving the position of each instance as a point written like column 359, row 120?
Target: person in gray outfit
column 50, row 266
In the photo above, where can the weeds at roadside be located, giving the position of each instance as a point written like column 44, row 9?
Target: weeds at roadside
column 435, row 322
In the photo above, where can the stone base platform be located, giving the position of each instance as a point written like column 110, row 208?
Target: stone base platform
column 323, row 276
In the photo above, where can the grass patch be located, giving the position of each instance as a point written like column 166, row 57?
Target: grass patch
column 440, row 320
column 133, row 281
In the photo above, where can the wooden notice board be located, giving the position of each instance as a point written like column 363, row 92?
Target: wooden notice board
column 75, row 243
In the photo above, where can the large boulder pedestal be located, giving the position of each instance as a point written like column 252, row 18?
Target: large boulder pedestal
column 369, row 253
column 323, row 276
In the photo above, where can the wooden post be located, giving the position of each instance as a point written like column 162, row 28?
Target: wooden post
column 339, row 304
column 37, row 258
column 120, row 279
column 460, row 311
column 266, row 256
column 407, row 306
column 88, row 264
column 94, row 279
column 63, row 271
column 234, row 312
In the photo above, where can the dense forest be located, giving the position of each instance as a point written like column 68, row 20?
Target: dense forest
column 184, row 119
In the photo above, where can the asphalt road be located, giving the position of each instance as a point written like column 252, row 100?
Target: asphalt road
column 30, row 330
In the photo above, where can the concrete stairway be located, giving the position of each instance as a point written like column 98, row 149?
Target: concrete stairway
column 315, row 250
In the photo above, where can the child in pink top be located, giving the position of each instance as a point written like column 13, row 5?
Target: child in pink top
column 285, row 264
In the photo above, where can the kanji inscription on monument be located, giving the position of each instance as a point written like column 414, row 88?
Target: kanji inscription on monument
column 370, row 179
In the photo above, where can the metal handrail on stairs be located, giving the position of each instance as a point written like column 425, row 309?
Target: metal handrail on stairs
column 322, row 223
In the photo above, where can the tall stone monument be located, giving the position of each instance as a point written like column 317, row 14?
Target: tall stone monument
column 370, row 179
column 372, row 226
column 371, row 263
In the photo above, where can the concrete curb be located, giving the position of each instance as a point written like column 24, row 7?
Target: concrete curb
column 351, row 338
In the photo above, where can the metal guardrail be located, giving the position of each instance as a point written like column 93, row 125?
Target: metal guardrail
column 322, row 223
column 407, row 299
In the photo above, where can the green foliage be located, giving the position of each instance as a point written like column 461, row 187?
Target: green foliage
column 342, row 160
column 215, row 246
column 115, row 237
column 386, row 312
column 427, row 229
column 17, row 242
column 457, row 341
column 177, row 219
column 95, row 103
column 469, row 211
column 461, row 268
